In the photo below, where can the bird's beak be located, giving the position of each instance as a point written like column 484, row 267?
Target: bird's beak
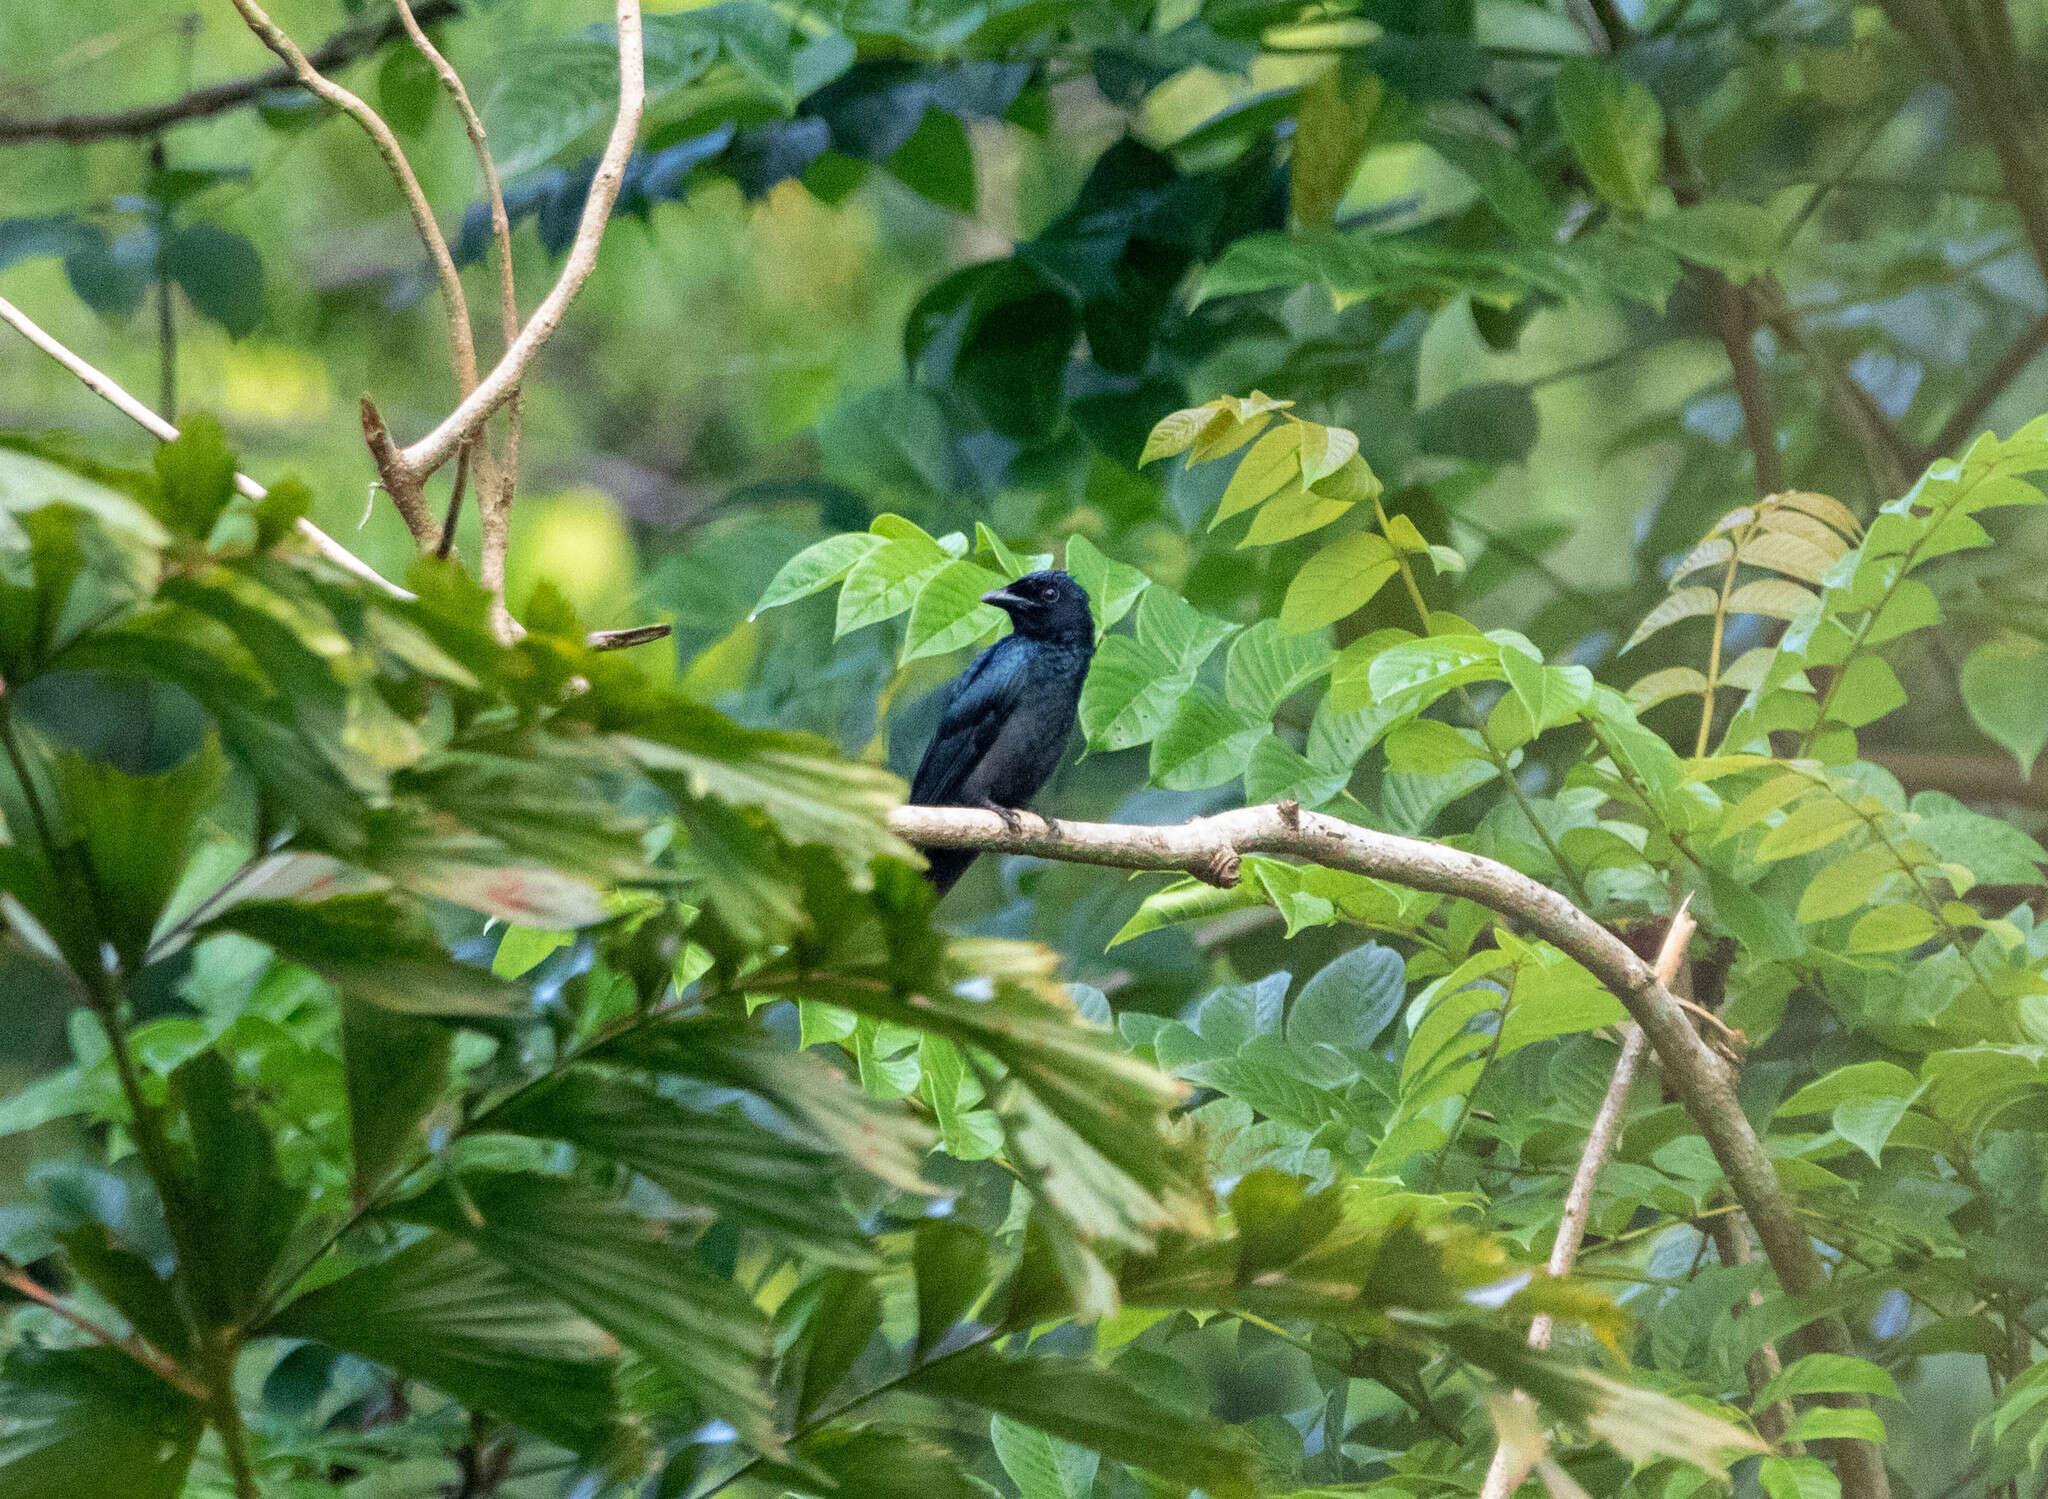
column 1002, row 598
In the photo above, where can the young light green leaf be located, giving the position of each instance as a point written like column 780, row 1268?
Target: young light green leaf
column 1341, row 578
column 2005, row 687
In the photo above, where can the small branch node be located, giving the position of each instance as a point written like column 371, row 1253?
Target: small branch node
column 1219, row 867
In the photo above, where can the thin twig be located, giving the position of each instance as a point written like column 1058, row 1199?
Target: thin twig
column 346, row 46
column 454, row 513
column 1502, row 1479
column 438, row 446
column 109, row 391
column 159, row 1363
column 401, row 481
column 1759, row 417
column 494, row 491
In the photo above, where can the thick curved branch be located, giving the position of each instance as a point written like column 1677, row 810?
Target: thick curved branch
column 1210, row 848
column 338, row 51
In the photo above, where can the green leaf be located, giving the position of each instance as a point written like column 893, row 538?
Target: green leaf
column 1266, row 468
column 1205, row 743
column 376, row 948
column 1614, row 128
column 396, row 1066
column 968, row 1133
column 1866, row 691
column 2005, row 687
column 1858, row 1080
column 241, row 1210
column 1096, row 1409
column 1041, row 1466
column 111, row 276
column 195, row 476
column 1828, row 1374
column 408, row 88
column 951, row 1261
column 1798, row 1478
column 1737, row 238
column 1867, row 1123
column 1891, row 929
column 1351, row 1000
column 937, row 162
column 1823, row 1422
column 1294, row 512
column 1325, row 450
column 1489, row 423
column 1267, row 665
column 523, row 949
column 1814, row 824
column 1341, row 578
column 812, row 1094
column 1333, row 124
column 885, row 581
column 618, row 1270
column 834, row 1317
column 949, row 612
column 440, row 1311
column 1112, row 587
column 1847, row 884
column 220, row 273
column 751, row 1176
column 82, row 1421
column 1182, row 901
column 135, row 833
column 818, row 567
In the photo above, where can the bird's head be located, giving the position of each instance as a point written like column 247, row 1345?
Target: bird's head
column 1046, row 606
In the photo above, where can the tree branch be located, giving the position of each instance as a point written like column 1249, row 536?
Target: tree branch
column 496, row 388
column 494, row 490
column 107, row 389
column 1210, row 848
column 1759, row 417
column 402, row 481
column 349, row 45
column 1502, row 1479
column 161, row 1364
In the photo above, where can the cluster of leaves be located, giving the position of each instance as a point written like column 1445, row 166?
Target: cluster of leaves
column 1812, row 873
column 266, row 825
column 220, row 272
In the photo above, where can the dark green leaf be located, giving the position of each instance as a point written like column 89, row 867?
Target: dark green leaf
column 220, row 272
column 91, row 1421
column 1096, row 1409
column 442, row 1312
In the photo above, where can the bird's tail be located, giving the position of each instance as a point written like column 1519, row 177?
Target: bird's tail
column 947, row 865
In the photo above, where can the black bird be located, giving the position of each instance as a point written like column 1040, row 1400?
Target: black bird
column 1007, row 717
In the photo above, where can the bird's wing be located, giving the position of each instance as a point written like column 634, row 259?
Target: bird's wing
column 977, row 704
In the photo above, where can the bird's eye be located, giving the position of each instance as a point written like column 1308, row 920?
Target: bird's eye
column 1047, row 592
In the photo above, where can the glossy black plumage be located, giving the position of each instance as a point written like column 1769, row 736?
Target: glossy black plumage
column 1007, row 717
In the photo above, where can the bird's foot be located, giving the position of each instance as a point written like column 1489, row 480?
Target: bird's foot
column 1012, row 823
